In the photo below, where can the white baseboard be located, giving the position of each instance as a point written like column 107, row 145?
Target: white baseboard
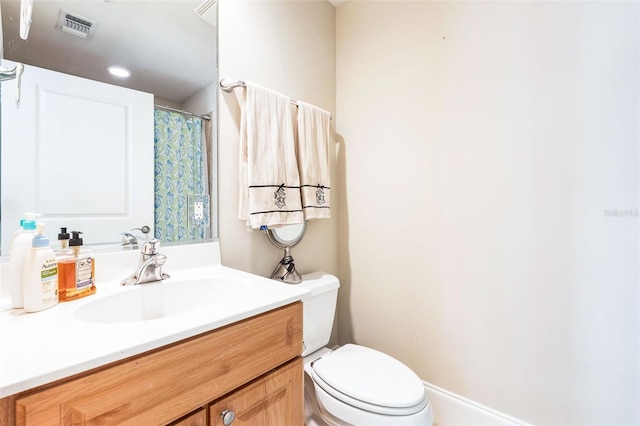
column 450, row 409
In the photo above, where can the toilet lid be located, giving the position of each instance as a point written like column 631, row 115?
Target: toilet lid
column 364, row 374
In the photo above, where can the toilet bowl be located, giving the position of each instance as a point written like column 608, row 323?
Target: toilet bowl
column 353, row 384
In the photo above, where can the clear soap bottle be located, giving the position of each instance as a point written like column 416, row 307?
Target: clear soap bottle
column 77, row 269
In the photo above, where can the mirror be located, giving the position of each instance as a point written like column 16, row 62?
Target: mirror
column 285, row 238
column 170, row 49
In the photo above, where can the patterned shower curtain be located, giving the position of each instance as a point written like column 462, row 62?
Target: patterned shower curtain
column 179, row 173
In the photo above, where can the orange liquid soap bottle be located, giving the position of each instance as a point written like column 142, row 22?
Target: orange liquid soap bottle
column 76, row 271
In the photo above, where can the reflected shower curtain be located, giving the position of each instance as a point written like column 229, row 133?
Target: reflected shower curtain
column 179, row 173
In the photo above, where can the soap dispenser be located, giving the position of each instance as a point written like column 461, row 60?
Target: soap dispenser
column 77, row 270
column 20, row 249
column 63, row 239
column 25, row 216
column 40, row 274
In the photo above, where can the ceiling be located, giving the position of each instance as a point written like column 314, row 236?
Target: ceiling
column 170, row 49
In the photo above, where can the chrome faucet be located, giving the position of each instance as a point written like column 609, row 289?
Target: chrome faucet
column 150, row 267
column 129, row 240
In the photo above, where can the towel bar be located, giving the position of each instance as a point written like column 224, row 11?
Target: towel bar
column 228, row 87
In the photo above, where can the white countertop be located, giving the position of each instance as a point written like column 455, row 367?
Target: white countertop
column 38, row 348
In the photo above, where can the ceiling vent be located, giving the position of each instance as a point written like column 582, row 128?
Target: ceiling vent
column 76, row 25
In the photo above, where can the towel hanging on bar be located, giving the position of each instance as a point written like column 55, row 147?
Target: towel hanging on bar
column 269, row 179
column 314, row 161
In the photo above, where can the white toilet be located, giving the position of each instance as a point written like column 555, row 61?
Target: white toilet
column 352, row 384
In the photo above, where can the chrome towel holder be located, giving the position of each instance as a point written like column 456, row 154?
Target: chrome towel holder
column 229, row 86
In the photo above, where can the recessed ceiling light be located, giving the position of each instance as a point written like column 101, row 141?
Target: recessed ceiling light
column 119, row 71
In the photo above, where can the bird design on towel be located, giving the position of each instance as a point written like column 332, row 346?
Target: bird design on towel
column 320, row 195
column 280, row 196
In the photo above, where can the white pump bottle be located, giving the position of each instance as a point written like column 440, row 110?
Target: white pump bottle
column 20, row 249
column 40, row 275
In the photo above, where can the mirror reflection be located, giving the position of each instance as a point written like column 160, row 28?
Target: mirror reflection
column 169, row 49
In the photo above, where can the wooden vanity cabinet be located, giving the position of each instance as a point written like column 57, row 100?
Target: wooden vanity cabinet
column 252, row 367
column 197, row 418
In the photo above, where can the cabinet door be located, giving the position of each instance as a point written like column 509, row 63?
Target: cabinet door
column 275, row 399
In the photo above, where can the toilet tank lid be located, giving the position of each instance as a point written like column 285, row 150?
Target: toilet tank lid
column 319, row 282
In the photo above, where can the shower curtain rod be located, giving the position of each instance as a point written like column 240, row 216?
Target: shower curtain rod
column 204, row 117
column 228, row 87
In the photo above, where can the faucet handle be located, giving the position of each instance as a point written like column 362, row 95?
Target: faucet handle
column 144, row 229
column 151, row 247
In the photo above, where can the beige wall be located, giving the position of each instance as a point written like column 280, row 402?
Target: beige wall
column 483, row 143
column 288, row 47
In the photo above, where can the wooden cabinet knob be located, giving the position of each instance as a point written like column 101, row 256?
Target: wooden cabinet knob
column 228, row 416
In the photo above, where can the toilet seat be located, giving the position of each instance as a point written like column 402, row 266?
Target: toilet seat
column 369, row 380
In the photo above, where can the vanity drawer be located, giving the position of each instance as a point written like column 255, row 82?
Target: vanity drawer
column 162, row 385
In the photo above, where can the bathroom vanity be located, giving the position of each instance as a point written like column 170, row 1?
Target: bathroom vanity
column 250, row 367
column 237, row 363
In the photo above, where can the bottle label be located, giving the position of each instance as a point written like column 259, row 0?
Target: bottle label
column 49, row 278
column 84, row 273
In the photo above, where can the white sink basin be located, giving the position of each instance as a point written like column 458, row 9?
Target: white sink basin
column 152, row 301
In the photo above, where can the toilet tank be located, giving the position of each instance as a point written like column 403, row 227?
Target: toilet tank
column 318, row 309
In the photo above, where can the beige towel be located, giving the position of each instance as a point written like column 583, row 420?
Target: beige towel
column 269, row 180
column 313, row 161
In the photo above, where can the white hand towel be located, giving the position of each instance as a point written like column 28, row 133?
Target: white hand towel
column 269, row 180
column 314, row 161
